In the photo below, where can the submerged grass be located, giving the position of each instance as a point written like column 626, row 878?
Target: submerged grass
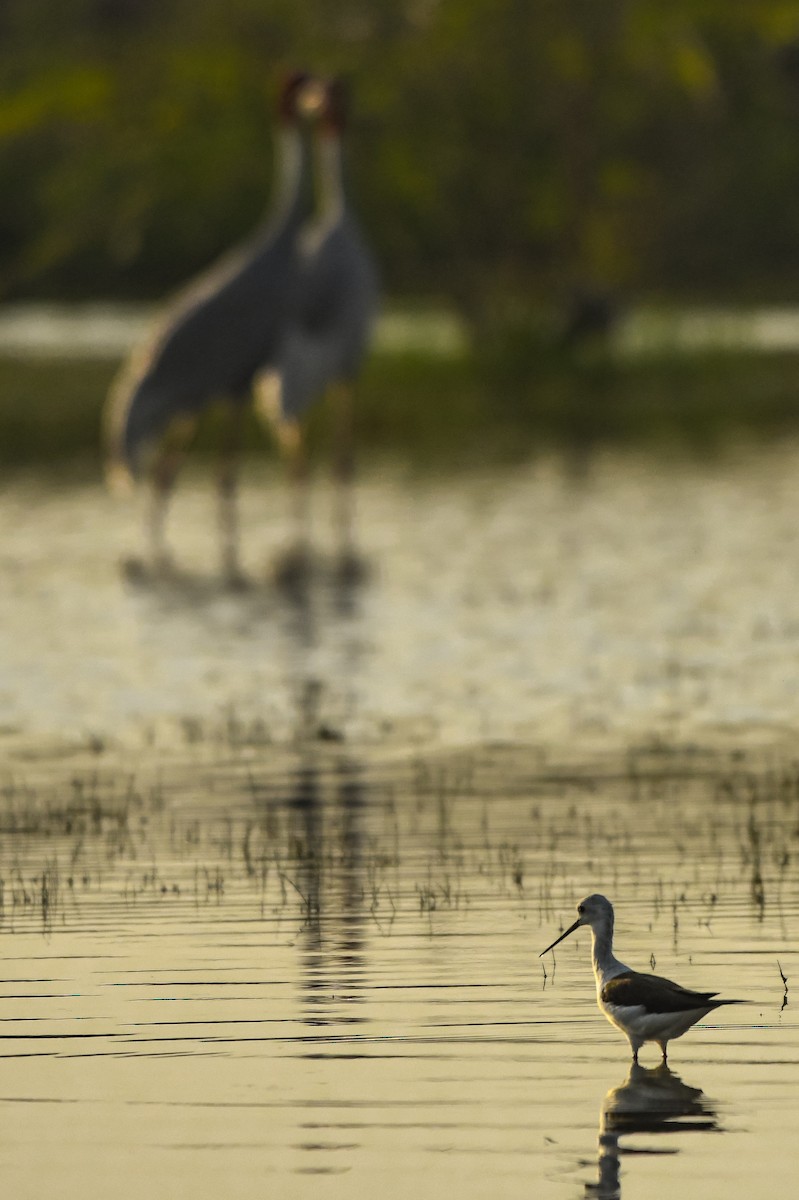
column 437, row 839
column 497, row 403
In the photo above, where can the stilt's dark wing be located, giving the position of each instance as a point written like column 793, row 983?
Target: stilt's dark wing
column 653, row 993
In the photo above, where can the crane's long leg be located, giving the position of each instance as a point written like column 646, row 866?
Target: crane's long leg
column 165, row 468
column 350, row 565
column 296, row 562
column 344, row 465
column 227, row 482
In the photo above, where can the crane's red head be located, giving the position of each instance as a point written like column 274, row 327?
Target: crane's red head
column 289, row 97
column 334, row 113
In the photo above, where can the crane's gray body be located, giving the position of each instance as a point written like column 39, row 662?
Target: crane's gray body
column 224, row 330
column 335, row 298
column 292, row 307
column 333, row 315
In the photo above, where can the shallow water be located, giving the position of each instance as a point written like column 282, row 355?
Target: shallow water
column 230, row 979
column 649, row 599
column 275, row 871
column 106, row 330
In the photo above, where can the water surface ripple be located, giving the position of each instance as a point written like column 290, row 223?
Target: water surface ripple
column 275, row 868
column 646, row 599
column 241, row 980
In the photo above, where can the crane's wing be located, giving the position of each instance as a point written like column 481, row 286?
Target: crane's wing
column 332, row 318
column 217, row 333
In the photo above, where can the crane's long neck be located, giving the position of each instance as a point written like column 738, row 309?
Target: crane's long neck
column 606, row 965
column 293, row 183
column 330, row 178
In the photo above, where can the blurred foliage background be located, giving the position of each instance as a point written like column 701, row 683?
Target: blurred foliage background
column 505, row 157
column 501, row 149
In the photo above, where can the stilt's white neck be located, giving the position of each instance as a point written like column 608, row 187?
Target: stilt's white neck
column 606, row 965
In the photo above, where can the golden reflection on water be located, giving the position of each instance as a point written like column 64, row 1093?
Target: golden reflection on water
column 513, row 604
column 270, row 968
column 649, row 1101
column 263, row 930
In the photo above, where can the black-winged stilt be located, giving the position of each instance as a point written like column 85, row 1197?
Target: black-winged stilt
column 647, row 1008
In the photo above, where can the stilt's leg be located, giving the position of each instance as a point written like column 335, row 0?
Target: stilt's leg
column 164, row 472
column 635, row 1056
column 228, row 495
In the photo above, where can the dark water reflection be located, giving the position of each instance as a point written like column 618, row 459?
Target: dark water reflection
column 650, row 1101
column 332, row 938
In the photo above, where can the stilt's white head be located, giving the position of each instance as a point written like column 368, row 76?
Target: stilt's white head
column 594, row 910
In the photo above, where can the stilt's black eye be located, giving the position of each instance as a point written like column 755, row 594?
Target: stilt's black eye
column 581, row 908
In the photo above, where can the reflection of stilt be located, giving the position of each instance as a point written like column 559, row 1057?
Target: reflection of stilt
column 649, row 1101
column 608, row 1185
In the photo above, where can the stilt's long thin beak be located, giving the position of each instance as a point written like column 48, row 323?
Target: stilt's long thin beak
column 571, row 929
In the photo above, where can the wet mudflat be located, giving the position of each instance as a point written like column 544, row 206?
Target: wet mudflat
column 275, row 870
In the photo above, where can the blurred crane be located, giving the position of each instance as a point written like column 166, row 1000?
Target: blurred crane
column 221, row 332
column 333, row 313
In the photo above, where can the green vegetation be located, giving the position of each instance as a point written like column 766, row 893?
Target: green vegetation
column 50, row 411
column 505, row 155
column 500, row 148
column 480, row 408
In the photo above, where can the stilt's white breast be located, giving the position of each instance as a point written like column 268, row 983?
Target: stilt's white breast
column 648, row 1008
